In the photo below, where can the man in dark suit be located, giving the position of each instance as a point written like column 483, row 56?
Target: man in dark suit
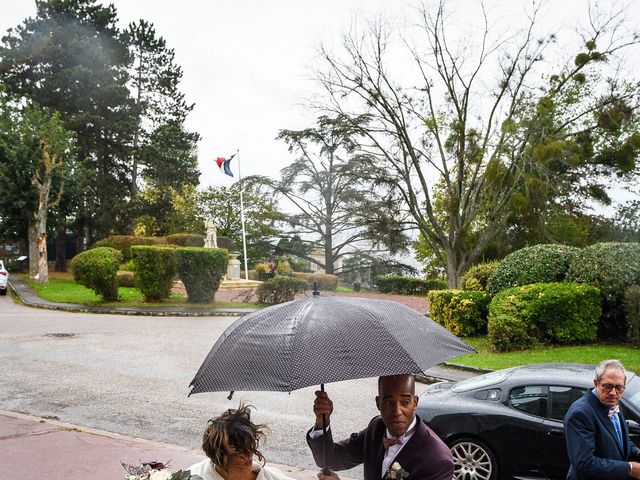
column 395, row 445
column 597, row 436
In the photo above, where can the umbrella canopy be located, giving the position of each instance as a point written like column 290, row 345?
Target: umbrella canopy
column 320, row 340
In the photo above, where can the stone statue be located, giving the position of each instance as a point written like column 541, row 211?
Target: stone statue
column 211, row 241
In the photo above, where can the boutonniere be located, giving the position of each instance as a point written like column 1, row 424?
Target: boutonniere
column 396, row 472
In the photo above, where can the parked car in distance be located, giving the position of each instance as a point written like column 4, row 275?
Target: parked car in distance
column 4, row 279
column 509, row 423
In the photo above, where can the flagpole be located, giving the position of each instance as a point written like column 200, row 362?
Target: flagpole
column 244, row 239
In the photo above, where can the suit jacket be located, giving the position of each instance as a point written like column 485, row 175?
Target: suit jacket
column 424, row 456
column 592, row 442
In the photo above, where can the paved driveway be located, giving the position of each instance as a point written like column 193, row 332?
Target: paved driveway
column 130, row 375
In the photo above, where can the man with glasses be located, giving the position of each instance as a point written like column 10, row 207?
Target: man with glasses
column 597, row 436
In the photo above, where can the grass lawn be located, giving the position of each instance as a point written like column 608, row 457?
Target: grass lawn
column 62, row 288
column 592, row 353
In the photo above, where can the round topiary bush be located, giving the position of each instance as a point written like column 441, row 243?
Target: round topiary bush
column 538, row 264
column 612, row 267
column 477, row 276
column 155, row 268
column 97, row 269
column 201, row 270
column 520, row 317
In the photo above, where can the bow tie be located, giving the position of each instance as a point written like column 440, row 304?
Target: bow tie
column 388, row 441
column 613, row 410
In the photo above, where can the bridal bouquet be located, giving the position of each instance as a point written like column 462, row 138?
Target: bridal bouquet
column 155, row 471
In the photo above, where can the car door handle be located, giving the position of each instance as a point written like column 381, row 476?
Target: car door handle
column 555, row 433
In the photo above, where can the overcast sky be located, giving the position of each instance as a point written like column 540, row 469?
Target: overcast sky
column 248, row 63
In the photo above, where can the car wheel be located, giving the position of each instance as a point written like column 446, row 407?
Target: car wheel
column 472, row 460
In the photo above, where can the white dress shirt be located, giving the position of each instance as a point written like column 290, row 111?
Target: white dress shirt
column 390, row 454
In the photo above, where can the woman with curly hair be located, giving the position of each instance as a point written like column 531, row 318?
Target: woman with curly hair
column 230, row 441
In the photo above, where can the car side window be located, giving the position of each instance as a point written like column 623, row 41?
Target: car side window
column 561, row 398
column 529, row 399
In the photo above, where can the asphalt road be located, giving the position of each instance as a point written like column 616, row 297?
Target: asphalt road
column 130, row 375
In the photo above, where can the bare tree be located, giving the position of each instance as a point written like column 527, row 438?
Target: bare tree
column 457, row 132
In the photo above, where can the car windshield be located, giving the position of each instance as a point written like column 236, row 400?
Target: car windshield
column 481, row 381
column 632, row 392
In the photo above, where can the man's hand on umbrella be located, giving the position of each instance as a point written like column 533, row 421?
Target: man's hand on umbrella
column 333, row 476
column 322, row 406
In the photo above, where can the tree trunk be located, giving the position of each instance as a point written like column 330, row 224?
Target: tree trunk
column 41, row 230
column 33, row 248
column 61, row 250
column 454, row 270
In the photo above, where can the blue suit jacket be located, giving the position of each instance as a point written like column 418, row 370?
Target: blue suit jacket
column 592, row 442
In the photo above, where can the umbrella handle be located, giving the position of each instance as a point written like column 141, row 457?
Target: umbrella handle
column 325, row 471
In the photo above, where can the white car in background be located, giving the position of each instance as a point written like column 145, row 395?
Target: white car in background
column 4, row 279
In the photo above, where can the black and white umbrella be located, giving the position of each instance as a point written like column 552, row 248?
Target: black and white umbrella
column 320, row 340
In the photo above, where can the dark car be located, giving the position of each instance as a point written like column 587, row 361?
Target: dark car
column 508, row 423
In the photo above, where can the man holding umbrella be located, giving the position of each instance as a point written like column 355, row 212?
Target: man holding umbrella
column 397, row 444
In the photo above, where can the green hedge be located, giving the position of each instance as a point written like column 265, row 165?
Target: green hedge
column 97, row 269
column 201, row 270
column 155, row 268
column 522, row 317
column 280, row 289
column 326, row 282
column 477, row 276
column 612, row 267
column 462, row 312
column 537, row 264
column 632, row 313
column 408, row 285
column 123, row 243
column 186, row 239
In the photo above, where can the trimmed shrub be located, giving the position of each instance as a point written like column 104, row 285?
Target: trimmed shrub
column 253, row 275
column 126, row 279
column 123, row 243
column 186, row 239
column 262, row 267
column 280, row 289
column 438, row 300
column 357, row 286
column 537, row 264
column 612, row 267
column 408, row 285
column 326, row 282
column 521, row 317
column 283, row 267
column 97, row 269
column 201, row 270
column 155, row 269
column 632, row 313
column 461, row 312
column 477, row 276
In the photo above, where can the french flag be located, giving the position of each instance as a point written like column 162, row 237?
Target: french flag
column 223, row 163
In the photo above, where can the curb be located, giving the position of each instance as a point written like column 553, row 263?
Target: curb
column 94, row 431
column 124, row 310
column 467, row 368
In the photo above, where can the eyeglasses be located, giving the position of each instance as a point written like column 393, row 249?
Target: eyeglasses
column 607, row 387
